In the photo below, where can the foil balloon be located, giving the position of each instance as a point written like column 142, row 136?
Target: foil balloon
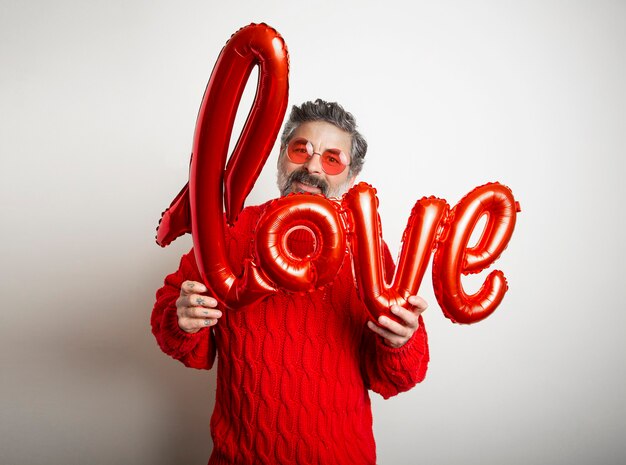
column 286, row 230
column 216, row 192
column 453, row 258
column 199, row 207
column 365, row 241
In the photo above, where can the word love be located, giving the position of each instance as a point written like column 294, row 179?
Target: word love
column 216, row 193
column 354, row 223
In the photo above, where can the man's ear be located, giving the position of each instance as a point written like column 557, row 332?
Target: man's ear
column 352, row 179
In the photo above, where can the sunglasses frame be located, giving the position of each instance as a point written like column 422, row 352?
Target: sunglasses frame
column 337, row 153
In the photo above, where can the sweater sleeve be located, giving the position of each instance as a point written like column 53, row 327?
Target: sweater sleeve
column 388, row 370
column 194, row 350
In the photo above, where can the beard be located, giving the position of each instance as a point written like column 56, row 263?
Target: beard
column 286, row 183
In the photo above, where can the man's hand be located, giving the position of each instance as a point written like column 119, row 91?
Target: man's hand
column 195, row 311
column 397, row 334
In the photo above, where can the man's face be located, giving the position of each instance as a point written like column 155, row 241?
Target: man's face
column 309, row 176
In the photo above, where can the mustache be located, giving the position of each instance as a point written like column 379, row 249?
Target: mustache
column 303, row 176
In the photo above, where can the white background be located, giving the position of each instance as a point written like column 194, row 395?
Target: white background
column 98, row 103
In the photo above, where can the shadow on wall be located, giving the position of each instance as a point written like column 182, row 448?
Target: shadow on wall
column 94, row 387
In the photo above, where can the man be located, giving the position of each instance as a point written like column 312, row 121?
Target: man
column 294, row 369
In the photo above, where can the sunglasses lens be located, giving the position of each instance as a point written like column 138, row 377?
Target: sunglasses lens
column 333, row 162
column 299, row 151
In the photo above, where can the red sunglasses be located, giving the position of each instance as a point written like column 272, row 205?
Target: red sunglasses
column 334, row 161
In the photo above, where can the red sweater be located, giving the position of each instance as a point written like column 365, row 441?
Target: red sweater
column 294, row 370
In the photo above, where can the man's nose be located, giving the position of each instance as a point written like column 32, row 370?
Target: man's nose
column 314, row 163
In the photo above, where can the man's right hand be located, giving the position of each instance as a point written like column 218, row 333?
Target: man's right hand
column 196, row 311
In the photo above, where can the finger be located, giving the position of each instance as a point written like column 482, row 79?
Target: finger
column 391, row 339
column 194, row 300
column 410, row 319
column 394, row 327
column 202, row 301
column 418, row 302
column 191, row 287
column 201, row 312
column 193, row 325
column 203, row 323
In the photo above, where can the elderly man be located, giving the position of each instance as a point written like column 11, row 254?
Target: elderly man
column 295, row 369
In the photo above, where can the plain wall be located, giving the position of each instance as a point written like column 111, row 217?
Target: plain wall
column 98, row 102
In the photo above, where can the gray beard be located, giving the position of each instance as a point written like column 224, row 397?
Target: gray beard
column 285, row 183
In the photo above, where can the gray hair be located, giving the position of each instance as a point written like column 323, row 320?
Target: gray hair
column 333, row 113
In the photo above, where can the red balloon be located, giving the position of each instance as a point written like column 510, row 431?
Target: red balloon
column 199, row 209
column 257, row 44
column 365, row 241
column 201, row 204
column 453, row 258
column 320, row 221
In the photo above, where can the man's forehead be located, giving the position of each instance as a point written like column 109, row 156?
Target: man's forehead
column 325, row 133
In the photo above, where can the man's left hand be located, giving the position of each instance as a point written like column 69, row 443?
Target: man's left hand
column 397, row 334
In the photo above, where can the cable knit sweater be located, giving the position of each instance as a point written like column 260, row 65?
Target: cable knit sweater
column 293, row 369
